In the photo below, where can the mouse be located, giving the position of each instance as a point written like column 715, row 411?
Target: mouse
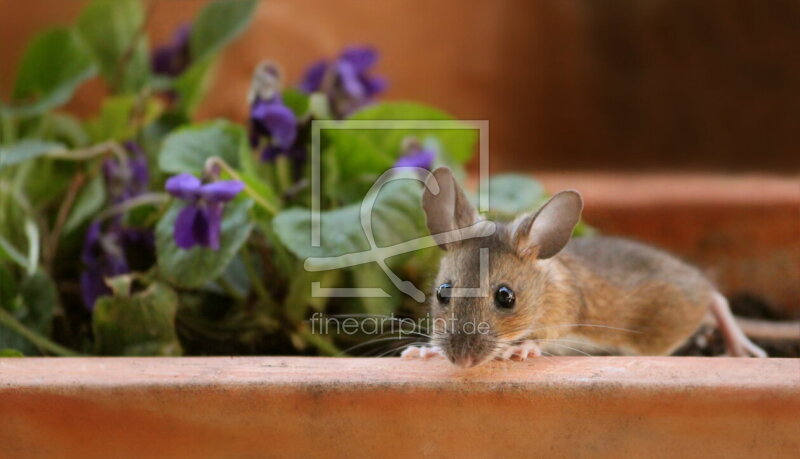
column 529, row 288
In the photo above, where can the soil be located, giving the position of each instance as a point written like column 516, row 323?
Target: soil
column 708, row 341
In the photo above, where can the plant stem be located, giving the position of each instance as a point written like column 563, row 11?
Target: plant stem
column 40, row 341
column 283, row 168
column 231, row 290
column 127, row 54
column 89, row 152
column 262, row 292
column 250, row 192
column 51, row 242
column 141, row 200
column 9, row 129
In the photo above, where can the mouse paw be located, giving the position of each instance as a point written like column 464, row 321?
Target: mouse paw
column 422, row 352
column 521, row 351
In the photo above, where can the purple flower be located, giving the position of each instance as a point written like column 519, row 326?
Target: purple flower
column 111, row 252
column 274, row 123
column 346, row 80
column 174, row 57
column 417, row 157
column 128, row 177
column 200, row 222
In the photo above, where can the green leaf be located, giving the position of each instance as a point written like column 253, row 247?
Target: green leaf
column 396, row 217
column 116, row 119
column 111, row 30
column 354, row 160
column 198, row 265
column 9, row 252
column 8, row 287
column 513, row 194
column 90, row 199
column 187, row 149
column 25, row 150
column 40, row 298
column 32, row 233
column 457, row 139
column 52, row 68
column 218, row 24
column 11, row 353
column 140, row 325
column 299, row 298
column 583, row 229
column 372, row 276
column 67, row 128
column 296, row 100
column 263, row 191
column 191, row 86
column 33, row 307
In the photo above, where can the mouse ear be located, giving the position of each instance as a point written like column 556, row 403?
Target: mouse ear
column 446, row 206
column 546, row 232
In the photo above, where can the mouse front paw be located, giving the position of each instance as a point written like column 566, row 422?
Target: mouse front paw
column 422, row 352
column 521, row 351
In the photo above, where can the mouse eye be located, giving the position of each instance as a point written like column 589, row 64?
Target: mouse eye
column 504, row 297
column 443, row 293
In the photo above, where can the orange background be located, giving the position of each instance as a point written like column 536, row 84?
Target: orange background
column 579, row 85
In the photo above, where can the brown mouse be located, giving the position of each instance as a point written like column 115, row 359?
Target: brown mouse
column 529, row 288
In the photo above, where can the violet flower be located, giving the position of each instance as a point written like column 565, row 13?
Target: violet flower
column 346, row 80
column 200, row 222
column 112, row 252
column 117, row 249
column 174, row 57
column 128, row 177
column 417, row 157
column 274, row 124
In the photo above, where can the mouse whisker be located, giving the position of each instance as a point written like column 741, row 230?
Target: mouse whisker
column 566, row 340
column 367, row 343
column 572, row 348
column 400, row 349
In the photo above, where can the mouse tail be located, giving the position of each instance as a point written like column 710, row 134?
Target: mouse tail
column 770, row 329
column 736, row 342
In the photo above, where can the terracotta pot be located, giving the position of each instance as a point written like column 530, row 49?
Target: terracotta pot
column 743, row 230
column 326, row 407
column 567, row 406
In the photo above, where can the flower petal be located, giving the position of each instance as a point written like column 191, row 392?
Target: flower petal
column 140, row 174
column 184, row 232
column 91, row 252
column 417, row 158
column 221, row 191
column 312, row 81
column 201, row 227
column 184, row 186
column 270, row 152
column 282, row 124
column 349, row 80
column 93, row 286
column 214, row 228
column 374, row 85
column 360, row 57
column 173, row 58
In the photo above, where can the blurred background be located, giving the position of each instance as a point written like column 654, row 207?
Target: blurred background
column 676, row 85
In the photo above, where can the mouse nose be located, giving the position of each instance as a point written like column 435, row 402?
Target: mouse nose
column 463, row 358
column 465, row 350
column 462, row 361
